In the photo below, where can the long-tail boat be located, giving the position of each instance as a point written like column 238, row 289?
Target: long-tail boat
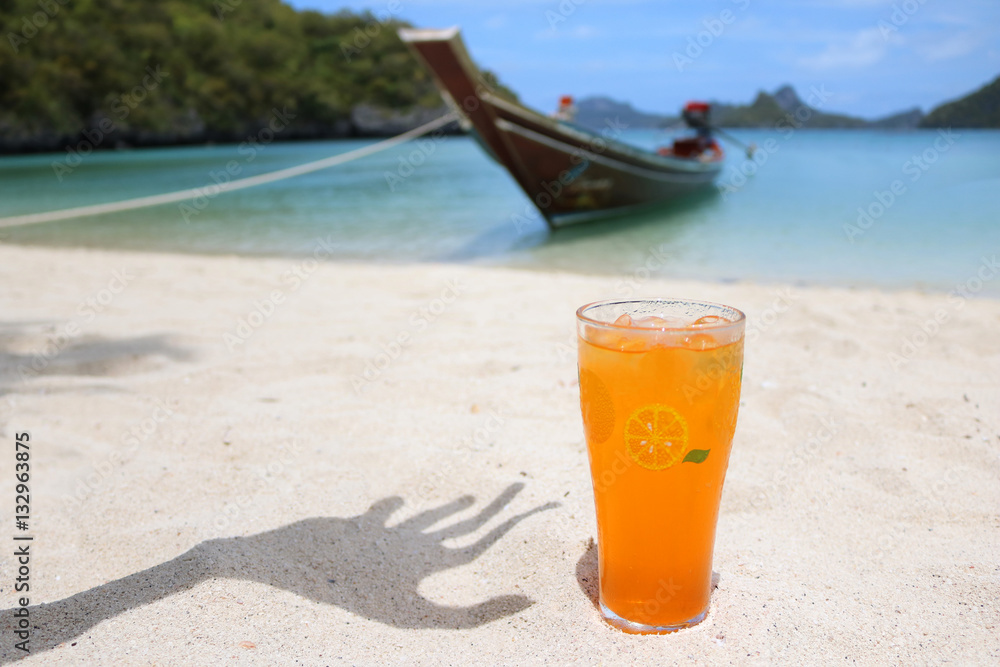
column 570, row 173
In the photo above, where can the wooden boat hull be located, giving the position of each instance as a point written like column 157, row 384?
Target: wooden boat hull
column 569, row 173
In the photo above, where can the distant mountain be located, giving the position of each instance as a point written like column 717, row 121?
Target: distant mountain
column 980, row 109
column 594, row 112
column 904, row 120
column 782, row 109
column 787, row 98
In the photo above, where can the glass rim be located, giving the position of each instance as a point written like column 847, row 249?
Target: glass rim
column 589, row 321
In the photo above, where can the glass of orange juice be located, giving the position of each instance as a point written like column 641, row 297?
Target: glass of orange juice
column 659, row 392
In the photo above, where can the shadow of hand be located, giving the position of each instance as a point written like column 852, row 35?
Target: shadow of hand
column 360, row 564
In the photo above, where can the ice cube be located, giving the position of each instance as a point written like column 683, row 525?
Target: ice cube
column 701, row 341
column 635, row 343
column 624, row 321
column 709, row 320
column 610, row 340
column 657, row 322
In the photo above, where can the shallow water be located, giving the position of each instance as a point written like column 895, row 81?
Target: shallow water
column 793, row 218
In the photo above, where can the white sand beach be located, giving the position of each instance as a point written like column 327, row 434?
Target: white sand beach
column 281, row 461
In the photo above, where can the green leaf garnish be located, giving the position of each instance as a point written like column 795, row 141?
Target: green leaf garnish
column 696, row 455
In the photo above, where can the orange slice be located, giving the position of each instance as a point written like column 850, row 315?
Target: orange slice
column 597, row 407
column 656, row 437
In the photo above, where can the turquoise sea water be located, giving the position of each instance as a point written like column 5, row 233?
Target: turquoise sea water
column 793, row 219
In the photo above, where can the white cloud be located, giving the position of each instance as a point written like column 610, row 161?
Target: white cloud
column 954, row 46
column 576, row 32
column 864, row 48
column 496, row 21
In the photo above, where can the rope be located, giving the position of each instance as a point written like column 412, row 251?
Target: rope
column 216, row 189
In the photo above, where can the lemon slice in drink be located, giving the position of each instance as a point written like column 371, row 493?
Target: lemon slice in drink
column 656, row 437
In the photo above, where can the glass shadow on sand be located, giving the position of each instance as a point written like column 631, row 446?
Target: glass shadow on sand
column 359, row 564
column 588, row 575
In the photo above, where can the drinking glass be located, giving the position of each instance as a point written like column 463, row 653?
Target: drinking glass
column 659, row 392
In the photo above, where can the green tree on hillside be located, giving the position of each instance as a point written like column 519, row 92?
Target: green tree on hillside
column 221, row 66
column 980, row 109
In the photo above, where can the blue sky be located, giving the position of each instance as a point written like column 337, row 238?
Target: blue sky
column 875, row 57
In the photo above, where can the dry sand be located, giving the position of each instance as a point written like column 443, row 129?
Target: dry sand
column 200, row 499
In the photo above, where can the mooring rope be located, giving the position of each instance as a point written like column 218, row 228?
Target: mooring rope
column 217, row 189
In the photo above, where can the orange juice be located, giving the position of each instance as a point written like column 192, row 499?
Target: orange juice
column 659, row 409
